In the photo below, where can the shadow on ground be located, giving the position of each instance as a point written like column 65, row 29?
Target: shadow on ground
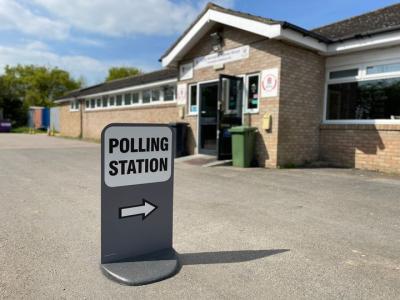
column 223, row 257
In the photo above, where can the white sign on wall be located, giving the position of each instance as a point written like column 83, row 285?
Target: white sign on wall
column 269, row 83
column 186, row 71
column 221, row 58
column 182, row 92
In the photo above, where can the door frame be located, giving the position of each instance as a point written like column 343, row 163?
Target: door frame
column 199, row 150
column 198, row 84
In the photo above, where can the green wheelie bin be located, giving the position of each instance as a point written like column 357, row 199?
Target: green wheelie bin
column 243, row 140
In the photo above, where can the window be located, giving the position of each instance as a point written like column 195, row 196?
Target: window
column 98, row 102
column 253, row 92
column 87, row 104
column 364, row 100
column 146, row 96
column 388, row 68
column 127, row 99
column 74, row 105
column 343, row 74
column 135, row 98
column 155, row 95
column 112, row 100
column 119, row 100
column 193, row 99
column 169, row 92
column 105, row 101
column 92, row 103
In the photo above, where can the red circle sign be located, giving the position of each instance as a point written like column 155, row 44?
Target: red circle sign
column 269, row 82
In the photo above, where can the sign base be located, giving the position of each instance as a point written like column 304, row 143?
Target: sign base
column 143, row 270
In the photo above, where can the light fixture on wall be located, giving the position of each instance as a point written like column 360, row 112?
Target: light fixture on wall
column 216, row 41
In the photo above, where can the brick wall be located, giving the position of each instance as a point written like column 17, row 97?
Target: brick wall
column 300, row 105
column 70, row 121
column 371, row 147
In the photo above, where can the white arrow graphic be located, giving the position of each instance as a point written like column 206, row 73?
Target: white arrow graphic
column 144, row 210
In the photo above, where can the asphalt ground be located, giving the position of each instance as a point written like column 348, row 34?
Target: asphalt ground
column 240, row 233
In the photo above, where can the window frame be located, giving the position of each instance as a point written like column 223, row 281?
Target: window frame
column 74, row 105
column 189, row 98
column 362, row 76
column 246, row 94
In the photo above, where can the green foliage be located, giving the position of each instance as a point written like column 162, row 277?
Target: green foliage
column 29, row 85
column 122, row 72
column 25, row 129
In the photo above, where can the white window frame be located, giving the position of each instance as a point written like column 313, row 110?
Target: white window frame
column 72, row 105
column 189, row 95
column 362, row 76
column 246, row 94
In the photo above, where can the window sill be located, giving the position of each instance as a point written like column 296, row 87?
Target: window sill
column 348, row 126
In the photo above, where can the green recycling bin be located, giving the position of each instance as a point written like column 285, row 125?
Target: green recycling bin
column 243, row 140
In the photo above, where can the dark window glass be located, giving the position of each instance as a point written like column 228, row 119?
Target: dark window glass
column 155, row 95
column 105, row 101
column 87, row 102
column 92, row 103
column 98, row 102
column 135, row 98
column 343, row 74
column 252, row 93
column 128, row 99
column 112, row 100
column 193, row 99
column 119, row 100
column 364, row 100
column 169, row 92
column 146, row 96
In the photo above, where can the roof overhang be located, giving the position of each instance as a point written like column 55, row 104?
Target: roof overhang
column 211, row 17
column 279, row 31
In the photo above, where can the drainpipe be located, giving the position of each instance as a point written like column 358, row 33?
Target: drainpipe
column 81, row 118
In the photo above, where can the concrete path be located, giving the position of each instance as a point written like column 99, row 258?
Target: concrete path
column 253, row 234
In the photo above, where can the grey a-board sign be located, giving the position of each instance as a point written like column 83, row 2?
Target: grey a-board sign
column 137, row 173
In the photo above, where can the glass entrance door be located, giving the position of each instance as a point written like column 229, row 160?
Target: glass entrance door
column 208, row 118
column 230, row 105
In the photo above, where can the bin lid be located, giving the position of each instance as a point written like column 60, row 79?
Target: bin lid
column 238, row 129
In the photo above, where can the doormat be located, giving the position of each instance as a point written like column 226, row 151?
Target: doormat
column 200, row 161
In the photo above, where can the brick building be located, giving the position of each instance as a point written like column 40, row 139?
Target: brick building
column 332, row 93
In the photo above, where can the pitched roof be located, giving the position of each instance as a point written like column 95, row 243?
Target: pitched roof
column 117, row 84
column 381, row 20
column 264, row 20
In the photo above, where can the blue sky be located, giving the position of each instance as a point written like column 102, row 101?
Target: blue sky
column 86, row 37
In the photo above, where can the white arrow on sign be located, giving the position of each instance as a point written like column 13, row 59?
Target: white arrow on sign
column 144, row 210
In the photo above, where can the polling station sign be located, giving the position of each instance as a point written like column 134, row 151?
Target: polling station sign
column 137, row 155
column 136, row 203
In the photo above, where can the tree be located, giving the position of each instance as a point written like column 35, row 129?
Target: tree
column 122, row 72
column 24, row 86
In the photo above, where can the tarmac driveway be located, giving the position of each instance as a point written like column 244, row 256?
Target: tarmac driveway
column 265, row 234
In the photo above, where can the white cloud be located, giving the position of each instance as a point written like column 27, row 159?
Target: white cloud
column 126, row 17
column 15, row 16
column 37, row 53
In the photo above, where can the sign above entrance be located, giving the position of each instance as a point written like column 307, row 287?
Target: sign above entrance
column 221, row 58
column 269, row 83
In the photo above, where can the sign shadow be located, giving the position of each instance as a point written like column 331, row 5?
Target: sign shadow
column 224, row 257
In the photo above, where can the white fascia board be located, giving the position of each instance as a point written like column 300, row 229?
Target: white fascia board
column 185, row 40
column 269, row 31
column 376, row 41
column 131, row 88
column 64, row 100
column 305, row 41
